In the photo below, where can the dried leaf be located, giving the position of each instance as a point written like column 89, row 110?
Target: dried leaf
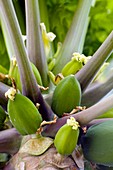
column 36, row 146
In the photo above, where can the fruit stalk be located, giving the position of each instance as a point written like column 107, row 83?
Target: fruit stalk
column 35, row 46
column 84, row 117
column 3, row 100
column 10, row 141
column 96, row 92
column 75, row 36
column 94, row 64
column 29, row 84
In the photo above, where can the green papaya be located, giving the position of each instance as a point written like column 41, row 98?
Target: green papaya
column 23, row 114
column 72, row 67
column 66, row 96
column 37, row 74
column 67, row 136
column 14, row 73
column 97, row 144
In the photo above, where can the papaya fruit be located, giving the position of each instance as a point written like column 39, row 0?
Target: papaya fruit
column 72, row 67
column 97, row 144
column 37, row 74
column 14, row 73
column 24, row 115
column 66, row 96
column 67, row 136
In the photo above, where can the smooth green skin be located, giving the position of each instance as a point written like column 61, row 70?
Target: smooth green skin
column 66, row 140
column 66, row 96
column 108, row 114
column 97, row 144
column 14, row 72
column 3, row 70
column 71, row 67
column 37, row 74
column 23, row 114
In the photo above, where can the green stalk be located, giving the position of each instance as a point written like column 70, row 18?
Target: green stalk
column 45, row 19
column 19, row 8
column 35, row 46
column 29, row 84
column 75, row 37
column 44, row 13
column 84, row 117
column 96, row 92
column 88, row 72
column 7, row 38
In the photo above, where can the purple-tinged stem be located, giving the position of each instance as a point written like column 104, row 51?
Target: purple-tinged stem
column 83, row 117
column 88, row 72
column 35, row 46
column 3, row 101
column 96, row 92
column 29, row 84
column 10, row 141
column 75, row 37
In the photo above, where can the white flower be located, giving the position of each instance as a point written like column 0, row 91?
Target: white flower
column 14, row 61
column 47, row 38
column 11, row 94
column 80, row 57
column 51, row 36
column 72, row 122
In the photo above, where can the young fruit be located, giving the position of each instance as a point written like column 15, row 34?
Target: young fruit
column 23, row 114
column 72, row 67
column 66, row 96
column 97, row 144
column 14, row 73
column 67, row 137
column 37, row 74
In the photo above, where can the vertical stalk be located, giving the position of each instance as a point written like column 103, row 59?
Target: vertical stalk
column 88, row 72
column 96, row 92
column 75, row 36
column 35, row 46
column 29, row 84
column 44, row 13
column 83, row 117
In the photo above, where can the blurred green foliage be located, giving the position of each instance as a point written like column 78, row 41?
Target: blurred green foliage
column 101, row 24
column 60, row 16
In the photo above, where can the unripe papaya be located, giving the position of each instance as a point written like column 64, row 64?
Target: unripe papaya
column 23, row 114
column 97, row 144
column 66, row 96
column 14, row 73
column 67, row 137
column 72, row 67
column 37, row 74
